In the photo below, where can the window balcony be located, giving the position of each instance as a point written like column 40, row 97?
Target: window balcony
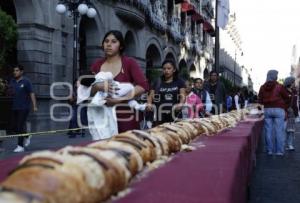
column 158, row 16
column 132, row 11
column 175, row 29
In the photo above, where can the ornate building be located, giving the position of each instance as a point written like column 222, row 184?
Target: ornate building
column 153, row 30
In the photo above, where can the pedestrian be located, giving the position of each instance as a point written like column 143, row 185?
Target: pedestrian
column 124, row 69
column 74, row 128
column 238, row 100
column 245, row 97
column 167, row 94
column 204, row 96
column 228, row 102
column 193, row 104
column 217, row 92
column 275, row 99
column 292, row 113
column 23, row 97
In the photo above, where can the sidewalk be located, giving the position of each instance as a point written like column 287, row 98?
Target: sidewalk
column 277, row 179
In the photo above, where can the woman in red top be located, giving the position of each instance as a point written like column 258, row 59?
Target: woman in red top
column 124, row 69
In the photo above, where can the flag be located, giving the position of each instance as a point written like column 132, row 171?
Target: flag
column 223, row 13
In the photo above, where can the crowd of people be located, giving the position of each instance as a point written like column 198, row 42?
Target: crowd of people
column 168, row 98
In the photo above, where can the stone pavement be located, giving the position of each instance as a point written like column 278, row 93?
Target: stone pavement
column 277, row 179
column 42, row 142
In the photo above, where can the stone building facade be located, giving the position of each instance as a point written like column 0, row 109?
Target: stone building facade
column 153, row 30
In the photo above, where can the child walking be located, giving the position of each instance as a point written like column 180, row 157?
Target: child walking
column 292, row 113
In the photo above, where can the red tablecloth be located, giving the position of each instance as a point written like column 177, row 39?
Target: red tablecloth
column 216, row 173
column 7, row 165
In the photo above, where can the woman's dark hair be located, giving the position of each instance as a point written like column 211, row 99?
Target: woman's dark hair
column 172, row 62
column 118, row 35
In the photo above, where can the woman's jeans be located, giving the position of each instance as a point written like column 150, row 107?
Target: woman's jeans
column 290, row 139
column 274, row 122
column 290, row 136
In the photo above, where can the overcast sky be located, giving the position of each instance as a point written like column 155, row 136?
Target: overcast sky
column 269, row 29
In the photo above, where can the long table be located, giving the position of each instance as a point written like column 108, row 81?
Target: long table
column 218, row 172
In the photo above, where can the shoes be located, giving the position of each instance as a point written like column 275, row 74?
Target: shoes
column 279, row 154
column 270, row 153
column 27, row 141
column 82, row 133
column 290, row 148
column 72, row 134
column 19, row 149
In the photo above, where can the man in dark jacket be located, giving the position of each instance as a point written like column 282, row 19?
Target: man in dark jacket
column 275, row 99
column 217, row 92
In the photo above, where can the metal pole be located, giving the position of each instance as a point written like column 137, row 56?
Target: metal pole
column 75, row 36
column 217, row 39
column 234, row 66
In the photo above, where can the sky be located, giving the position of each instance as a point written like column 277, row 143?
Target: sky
column 268, row 29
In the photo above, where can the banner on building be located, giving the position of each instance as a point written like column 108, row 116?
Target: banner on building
column 223, row 13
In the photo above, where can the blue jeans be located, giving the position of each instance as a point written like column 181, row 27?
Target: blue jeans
column 290, row 138
column 73, row 122
column 274, row 121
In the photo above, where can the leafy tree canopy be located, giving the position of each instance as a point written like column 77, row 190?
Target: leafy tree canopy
column 8, row 36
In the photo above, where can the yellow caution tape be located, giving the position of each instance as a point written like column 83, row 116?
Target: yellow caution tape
column 41, row 133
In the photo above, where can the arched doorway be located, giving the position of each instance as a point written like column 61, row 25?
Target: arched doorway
column 170, row 56
column 153, row 63
column 183, row 70
column 193, row 73
column 130, row 44
column 89, row 43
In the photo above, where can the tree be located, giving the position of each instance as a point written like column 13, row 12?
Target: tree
column 8, row 36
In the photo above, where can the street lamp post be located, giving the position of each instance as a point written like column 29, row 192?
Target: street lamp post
column 75, row 9
column 234, row 66
column 217, row 39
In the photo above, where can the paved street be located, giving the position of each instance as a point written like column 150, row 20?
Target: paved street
column 42, row 142
column 277, row 179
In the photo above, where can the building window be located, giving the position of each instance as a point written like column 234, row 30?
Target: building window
column 183, row 20
column 204, row 38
